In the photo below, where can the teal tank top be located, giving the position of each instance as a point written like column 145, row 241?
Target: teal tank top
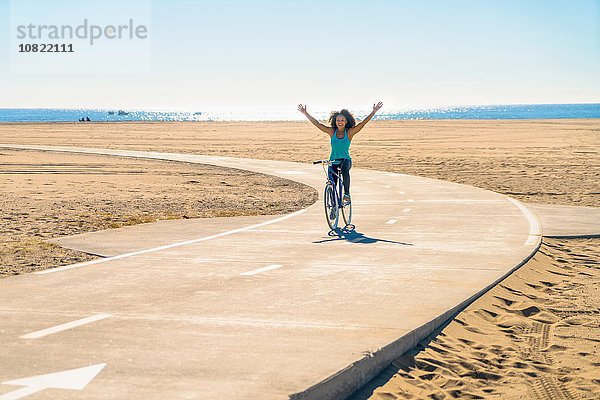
column 340, row 148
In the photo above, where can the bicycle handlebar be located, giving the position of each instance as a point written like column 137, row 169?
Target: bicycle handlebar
column 328, row 162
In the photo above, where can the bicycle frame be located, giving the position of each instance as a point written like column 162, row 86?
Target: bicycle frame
column 337, row 203
column 340, row 181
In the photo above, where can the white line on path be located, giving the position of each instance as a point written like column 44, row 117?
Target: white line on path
column 64, row 327
column 387, row 187
column 169, row 246
column 534, row 225
column 393, row 174
column 392, row 221
column 389, row 202
column 401, row 192
column 447, row 201
column 406, row 210
column 263, row 269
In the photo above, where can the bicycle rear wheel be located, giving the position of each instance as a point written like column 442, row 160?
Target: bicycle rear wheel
column 332, row 213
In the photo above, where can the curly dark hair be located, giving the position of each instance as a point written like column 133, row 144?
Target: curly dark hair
column 350, row 121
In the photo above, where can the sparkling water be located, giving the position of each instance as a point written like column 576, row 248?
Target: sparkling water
column 525, row 111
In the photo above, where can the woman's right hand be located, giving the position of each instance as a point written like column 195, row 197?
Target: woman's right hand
column 302, row 108
column 377, row 106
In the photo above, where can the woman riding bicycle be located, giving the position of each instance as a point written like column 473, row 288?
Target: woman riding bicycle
column 342, row 130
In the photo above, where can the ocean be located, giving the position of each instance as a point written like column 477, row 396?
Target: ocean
column 495, row 112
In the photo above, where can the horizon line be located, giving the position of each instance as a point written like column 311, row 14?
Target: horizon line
column 281, row 108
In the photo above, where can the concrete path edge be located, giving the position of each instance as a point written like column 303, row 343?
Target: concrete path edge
column 591, row 236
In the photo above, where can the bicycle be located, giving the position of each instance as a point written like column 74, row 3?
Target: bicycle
column 332, row 197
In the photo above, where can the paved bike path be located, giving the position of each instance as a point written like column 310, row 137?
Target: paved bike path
column 272, row 307
column 560, row 221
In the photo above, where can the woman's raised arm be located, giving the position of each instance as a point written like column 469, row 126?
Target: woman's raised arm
column 354, row 130
column 326, row 129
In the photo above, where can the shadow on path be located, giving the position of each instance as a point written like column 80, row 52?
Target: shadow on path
column 356, row 237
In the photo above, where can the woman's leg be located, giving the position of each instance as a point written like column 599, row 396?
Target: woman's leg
column 332, row 176
column 346, row 165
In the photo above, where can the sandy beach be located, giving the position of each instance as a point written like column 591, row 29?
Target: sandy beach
column 49, row 195
column 532, row 336
column 539, row 161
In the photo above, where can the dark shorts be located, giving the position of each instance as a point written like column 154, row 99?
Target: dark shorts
column 345, row 164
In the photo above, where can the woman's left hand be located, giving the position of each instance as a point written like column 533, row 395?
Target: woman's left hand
column 377, row 106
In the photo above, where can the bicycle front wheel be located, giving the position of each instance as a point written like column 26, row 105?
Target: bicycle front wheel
column 331, row 209
column 347, row 213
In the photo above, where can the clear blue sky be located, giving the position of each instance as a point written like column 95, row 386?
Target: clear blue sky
column 328, row 54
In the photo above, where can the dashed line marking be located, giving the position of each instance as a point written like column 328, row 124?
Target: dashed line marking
column 392, row 221
column 401, row 192
column 406, row 209
column 263, row 269
column 387, row 187
column 66, row 326
column 385, row 202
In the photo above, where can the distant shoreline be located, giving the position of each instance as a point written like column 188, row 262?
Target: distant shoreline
column 538, row 120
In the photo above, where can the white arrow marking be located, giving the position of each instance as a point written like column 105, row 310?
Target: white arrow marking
column 73, row 379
